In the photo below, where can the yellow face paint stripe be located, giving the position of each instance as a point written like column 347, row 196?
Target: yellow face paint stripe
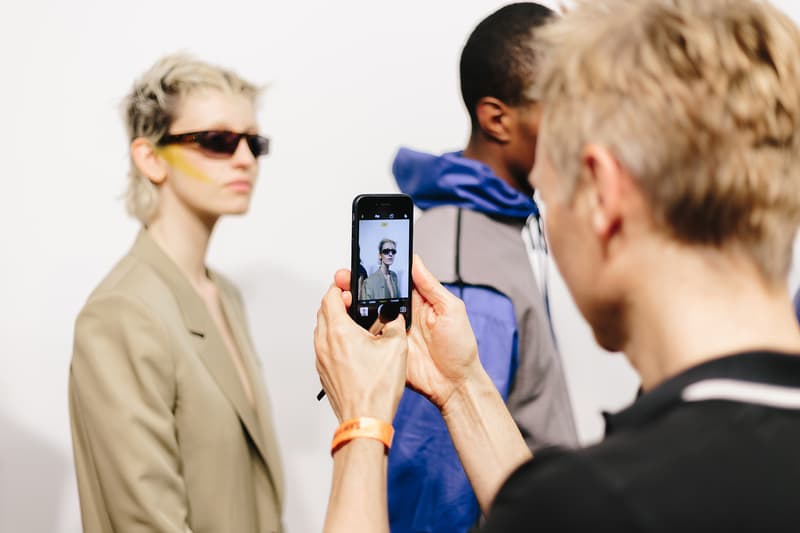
column 176, row 160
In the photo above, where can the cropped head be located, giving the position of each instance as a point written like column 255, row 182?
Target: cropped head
column 697, row 102
column 498, row 65
column 211, row 171
column 497, row 59
column 387, row 250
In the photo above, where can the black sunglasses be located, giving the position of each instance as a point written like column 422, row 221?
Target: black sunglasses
column 219, row 141
column 387, row 251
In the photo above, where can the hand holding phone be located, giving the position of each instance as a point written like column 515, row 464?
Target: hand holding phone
column 380, row 260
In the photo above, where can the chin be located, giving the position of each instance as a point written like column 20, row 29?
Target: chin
column 237, row 209
column 611, row 341
column 609, row 325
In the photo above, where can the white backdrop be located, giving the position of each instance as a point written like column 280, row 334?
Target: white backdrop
column 350, row 81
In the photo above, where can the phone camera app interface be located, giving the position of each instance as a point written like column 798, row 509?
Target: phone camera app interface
column 384, row 268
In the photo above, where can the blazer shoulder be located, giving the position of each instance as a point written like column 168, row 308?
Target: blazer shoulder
column 132, row 281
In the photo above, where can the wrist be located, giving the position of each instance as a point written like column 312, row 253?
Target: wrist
column 378, row 413
column 379, row 401
column 476, row 384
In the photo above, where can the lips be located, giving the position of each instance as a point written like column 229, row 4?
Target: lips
column 239, row 185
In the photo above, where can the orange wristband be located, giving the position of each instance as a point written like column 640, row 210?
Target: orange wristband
column 362, row 427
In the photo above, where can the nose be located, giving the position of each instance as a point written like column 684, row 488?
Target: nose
column 243, row 156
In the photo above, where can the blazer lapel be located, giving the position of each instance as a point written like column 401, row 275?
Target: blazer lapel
column 210, row 347
column 269, row 450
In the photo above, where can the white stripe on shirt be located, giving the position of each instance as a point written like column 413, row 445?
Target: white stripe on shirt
column 743, row 391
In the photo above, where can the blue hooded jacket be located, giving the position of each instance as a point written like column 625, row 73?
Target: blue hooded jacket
column 797, row 305
column 428, row 489
column 452, row 179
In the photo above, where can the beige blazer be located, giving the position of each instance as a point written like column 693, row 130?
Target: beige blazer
column 376, row 287
column 163, row 435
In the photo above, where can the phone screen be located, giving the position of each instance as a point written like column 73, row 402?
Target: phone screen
column 381, row 259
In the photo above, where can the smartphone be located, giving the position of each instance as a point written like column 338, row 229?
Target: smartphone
column 380, row 267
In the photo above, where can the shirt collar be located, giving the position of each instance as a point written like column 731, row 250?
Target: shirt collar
column 763, row 367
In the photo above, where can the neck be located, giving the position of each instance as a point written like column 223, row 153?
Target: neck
column 490, row 154
column 687, row 309
column 384, row 268
column 184, row 237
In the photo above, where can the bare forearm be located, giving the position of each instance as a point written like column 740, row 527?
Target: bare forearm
column 486, row 438
column 358, row 494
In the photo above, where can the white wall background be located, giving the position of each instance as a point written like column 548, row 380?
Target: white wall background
column 350, row 82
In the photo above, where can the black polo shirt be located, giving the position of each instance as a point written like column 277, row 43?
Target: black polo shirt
column 716, row 448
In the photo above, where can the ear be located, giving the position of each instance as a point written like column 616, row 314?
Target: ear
column 494, row 118
column 606, row 179
column 147, row 160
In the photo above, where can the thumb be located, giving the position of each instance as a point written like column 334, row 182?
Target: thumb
column 395, row 328
column 429, row 287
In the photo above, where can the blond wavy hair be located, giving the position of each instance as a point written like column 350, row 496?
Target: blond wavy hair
column 698, row 99
column 150, row 107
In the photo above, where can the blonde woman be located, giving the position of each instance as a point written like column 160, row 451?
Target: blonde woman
column 171, row 425
column 382, row 283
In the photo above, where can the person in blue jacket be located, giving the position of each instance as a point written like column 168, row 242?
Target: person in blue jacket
column 480, row 233
column 796, row 301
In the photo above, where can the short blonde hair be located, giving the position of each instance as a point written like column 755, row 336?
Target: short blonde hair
column 698, row 99
column 384, row 241
column 150, row 108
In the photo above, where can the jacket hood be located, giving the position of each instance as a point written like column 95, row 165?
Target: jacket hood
column 451, row 179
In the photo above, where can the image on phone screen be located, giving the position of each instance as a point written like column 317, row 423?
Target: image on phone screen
column 381, row 281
